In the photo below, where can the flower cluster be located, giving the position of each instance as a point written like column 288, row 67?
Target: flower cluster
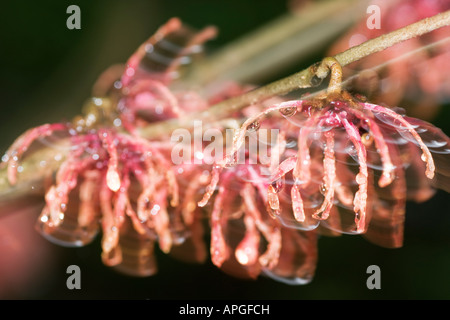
column 417, row 78
column 346, row 166
column 112, row 179
column 338, row 165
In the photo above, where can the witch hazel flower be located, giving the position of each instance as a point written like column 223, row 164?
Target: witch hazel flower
column 353, row 166
column 113, row 180
column 100, row 166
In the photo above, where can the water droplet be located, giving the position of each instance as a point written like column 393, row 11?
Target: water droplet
column 278, row 185
column 118, row 84
column 360, row 178
column 423, row 157
column 155, row 209
column 148, row 48
column 288, row 112
column 98, row 101
column 5, row 158
column 117, row 122
column 113, row 180
column 254, row 126
column 291, row 143
column 323, row 188
column 367, row 139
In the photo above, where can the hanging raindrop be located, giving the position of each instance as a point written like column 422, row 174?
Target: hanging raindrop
column 288, row 112
column 254, row 126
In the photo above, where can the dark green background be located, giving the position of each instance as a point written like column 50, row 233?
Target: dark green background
column 47, row 72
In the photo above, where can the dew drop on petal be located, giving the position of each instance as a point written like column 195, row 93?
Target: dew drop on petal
column 367, row 139
column 242, row 257
column 288, row 112
column 117, row 122
column 360, row 178
column 278, row 185
column 113, row 180
column 323, row 188
column 254, row 126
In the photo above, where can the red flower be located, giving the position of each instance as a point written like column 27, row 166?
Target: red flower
column 350, row 167
column 112, row 179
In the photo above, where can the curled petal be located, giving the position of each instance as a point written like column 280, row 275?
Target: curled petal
column 23, row 142
column 360, row 200
column 297, row 204
column 112, row 175
column 219, row 249
column 247, row 251
column 329, row 177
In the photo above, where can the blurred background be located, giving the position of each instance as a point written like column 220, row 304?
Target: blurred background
column 47, row 72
